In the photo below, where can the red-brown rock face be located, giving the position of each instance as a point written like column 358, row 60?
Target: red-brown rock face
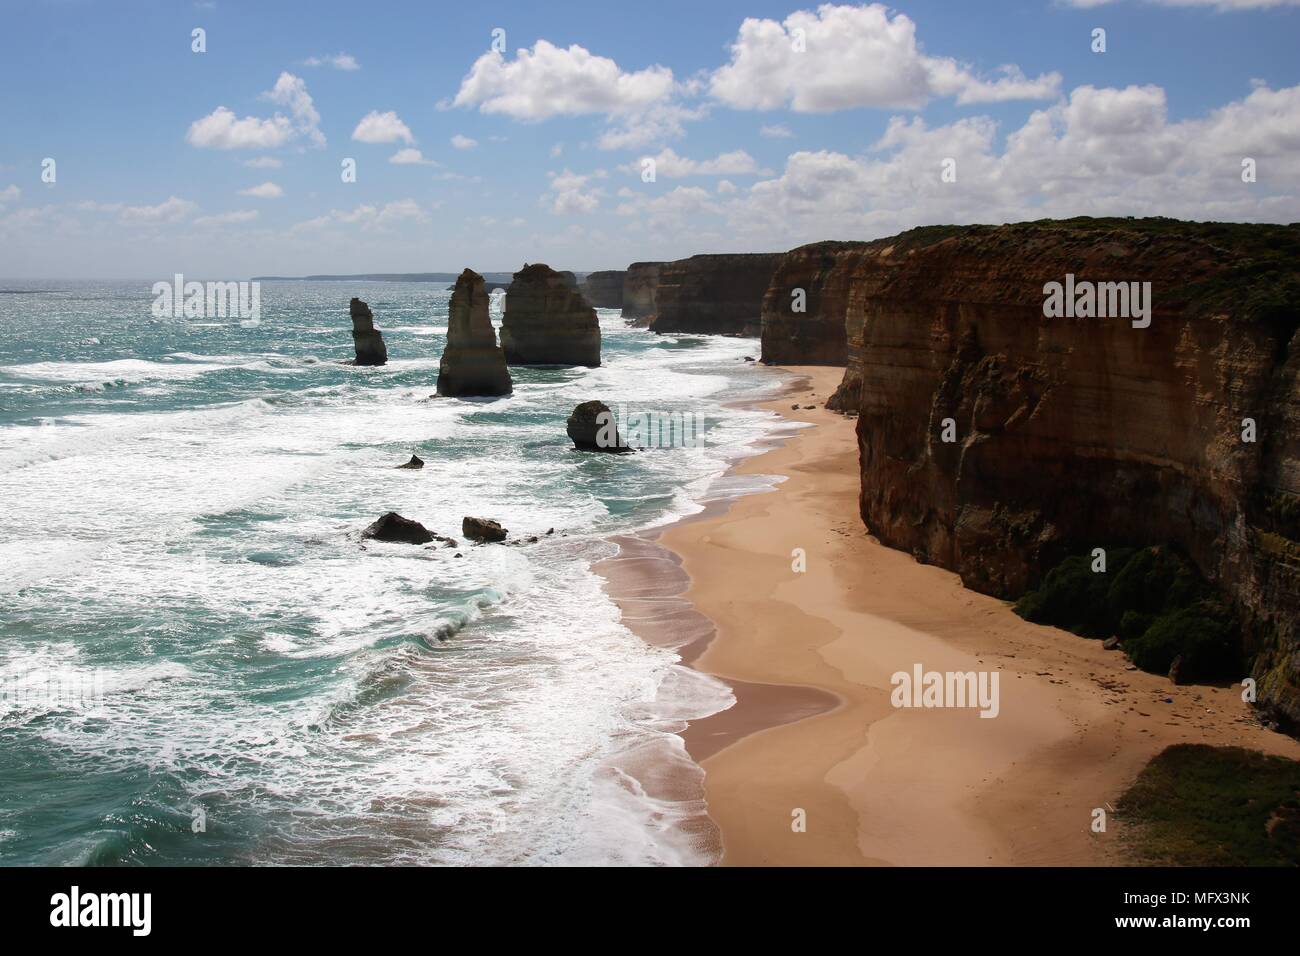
column 716, row 295
column 472, row 363
column 547, row 321
column 1074, row 433
column 804, row 308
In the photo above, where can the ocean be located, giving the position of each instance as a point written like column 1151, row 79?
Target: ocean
column 202, row 663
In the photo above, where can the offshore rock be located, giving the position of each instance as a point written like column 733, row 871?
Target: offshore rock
column 547, row 321
column 472, row 363
column 366, row 339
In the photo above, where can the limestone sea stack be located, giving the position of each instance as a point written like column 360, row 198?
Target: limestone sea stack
column 592, row 427
column 604, row 290
column 547, row 321
column 639, row 284
column 368, row 340
column 472, row 363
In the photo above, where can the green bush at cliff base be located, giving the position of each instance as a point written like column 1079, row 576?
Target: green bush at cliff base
column 1153, row 599
column 1197, row 805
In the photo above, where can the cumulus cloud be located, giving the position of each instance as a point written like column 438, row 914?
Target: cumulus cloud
column 172, row 209
column 228, row 218
column 1104, row 151
column 263, row 162
column 410, row 157
column 845, row 57
column 776, row 131
column 570, row 192
column 672, row 210
column 9, row 194
column 463, row 142
column 671, row 166
column 339, row 61
column 267, row 190
column 222, row 129
column 368, row 217
column 377, row 127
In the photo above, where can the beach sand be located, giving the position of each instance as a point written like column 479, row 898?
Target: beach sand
column 810, row 654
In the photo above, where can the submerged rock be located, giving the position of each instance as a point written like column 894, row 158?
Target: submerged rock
column 415, row 462
column 472, row 363
column 592, row 427
column 547, row 321
column 368, row 340
column 393, row 527
column 482, row 529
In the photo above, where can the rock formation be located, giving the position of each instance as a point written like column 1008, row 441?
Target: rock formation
column 482, row 529
column 592, row 427
column 604, row 290
column 715, row 294
column 639, row 284
column 547, row 321
column 816, row 279
column 393, row 527
column 368, row 341
column 472, row 363
column 415, row 463
column 1071, row 433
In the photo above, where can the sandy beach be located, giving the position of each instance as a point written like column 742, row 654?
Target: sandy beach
column 810, row 653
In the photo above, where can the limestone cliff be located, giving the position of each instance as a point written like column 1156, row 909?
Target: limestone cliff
column 547, row 321
column 366, row 339
column 806, row 306
column 1070, row 433
column 639, row 284
column 472, row 362
column 604, row 290
column 713, row 294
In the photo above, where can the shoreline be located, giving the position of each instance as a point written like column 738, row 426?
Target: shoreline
column 808, row 657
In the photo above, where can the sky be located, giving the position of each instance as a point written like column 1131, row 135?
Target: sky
column 495, row 133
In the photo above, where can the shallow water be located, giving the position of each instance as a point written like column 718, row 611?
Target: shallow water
column 180, row 536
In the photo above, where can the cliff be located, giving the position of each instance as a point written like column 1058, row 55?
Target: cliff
column 1071, row 433
column 366, row 339
column 547, row 321
column 639, row 284
column 806, row 306
column 472, row 363
column 604, row 290
column 713, row 294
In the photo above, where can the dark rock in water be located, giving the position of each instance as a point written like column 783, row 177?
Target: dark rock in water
column 604, row 290
column 472, row 363
column 547, row 321
column 368, row 341
column 393, row 527
column 446, row 541
column 592, row 427
column 482, row 529
column 415, row 462
column 749, row 358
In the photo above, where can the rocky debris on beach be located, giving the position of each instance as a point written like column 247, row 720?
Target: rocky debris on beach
column 393, row 527
column 368, row 340
column 547, row 321
column 482, row 529
column 415, row 462
column 592, row 427
column 472, row 363
column 604, row 290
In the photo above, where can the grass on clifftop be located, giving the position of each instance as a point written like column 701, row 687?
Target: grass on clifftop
column 1154, row 600
column 1197, row 805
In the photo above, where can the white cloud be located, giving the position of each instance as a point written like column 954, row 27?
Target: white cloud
column 377, row 127
column 410, row 157
column 671, row 166
column 549, row 81
column 228, row 218
column 653, row 125
column 556, row 150
column 339, row 61
column 463, row 142
column 222, row 129
column 853, row 57
column 9, row 194
column 1220, row 5
column 263, row 162
column 726, row 187
column 777, row 131
column 570, row 192
column 369, row 217
column 172, row 209
column 267, row 190
column 673, row 209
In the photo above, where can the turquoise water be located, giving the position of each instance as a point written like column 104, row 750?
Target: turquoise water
column 179, row 544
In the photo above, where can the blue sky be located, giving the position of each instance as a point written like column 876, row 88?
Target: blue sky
column 757, row 145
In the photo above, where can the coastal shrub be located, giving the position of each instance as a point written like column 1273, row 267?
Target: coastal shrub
column 1204, row 635
column 1071, row 597
column 1197, row 805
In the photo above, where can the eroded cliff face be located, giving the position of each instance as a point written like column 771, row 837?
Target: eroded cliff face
column 713, row 294
column 547, row 321
column 639, row 284
column 1075, row 433
column 806, row 306
column 604, row 290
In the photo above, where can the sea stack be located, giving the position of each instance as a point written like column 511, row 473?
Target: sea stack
column 367, row 339
column 472, row 363
column 547, row 321
column 604, row 290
